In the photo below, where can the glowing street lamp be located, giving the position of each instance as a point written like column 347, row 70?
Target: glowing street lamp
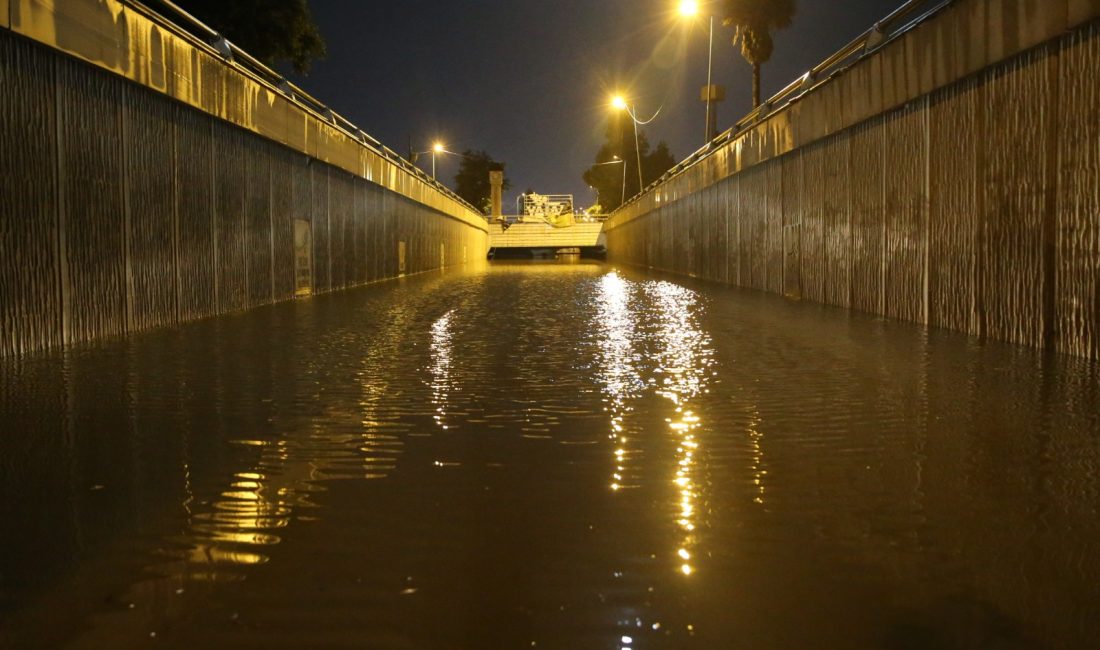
column 437, row 148
column 689, row 9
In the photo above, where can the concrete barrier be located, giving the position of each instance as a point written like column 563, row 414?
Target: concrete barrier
column 950, row 178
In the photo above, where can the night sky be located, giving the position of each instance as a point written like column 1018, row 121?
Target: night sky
column 529, row 80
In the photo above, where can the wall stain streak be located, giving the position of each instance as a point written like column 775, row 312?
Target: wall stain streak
column 257, row 222
column 90, row 117
column 838, row 220
column 30, row 269
column 906, row 210
column 1015, row 145
column 812, row 206
column 954, row 207
column 791, row 213
column 232, row 163
column 195, row 205
column 868, row 235
column 1078, row 226
column 150, row 185
column 284, row 209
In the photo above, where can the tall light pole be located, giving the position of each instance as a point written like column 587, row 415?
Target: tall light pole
column 437, row 148
column 619, row 104
column 623, row 163
column 690, row 9
column 615, row 160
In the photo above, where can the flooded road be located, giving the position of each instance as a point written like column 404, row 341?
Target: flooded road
column 549, row 456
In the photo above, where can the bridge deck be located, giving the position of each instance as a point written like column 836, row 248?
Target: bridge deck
column 541, row 235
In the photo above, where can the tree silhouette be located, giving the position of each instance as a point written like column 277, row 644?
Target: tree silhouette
column 753, row 22
column 472, row 179
column 273, row 31
column 607, row 176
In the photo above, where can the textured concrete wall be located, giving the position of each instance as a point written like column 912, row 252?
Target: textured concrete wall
column 124, row 209
column 961, row 199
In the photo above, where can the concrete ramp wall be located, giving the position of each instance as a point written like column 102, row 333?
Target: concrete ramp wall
column 951, row 178
column 145, row 183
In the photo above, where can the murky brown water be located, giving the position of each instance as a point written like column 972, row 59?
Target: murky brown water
column 541, row 456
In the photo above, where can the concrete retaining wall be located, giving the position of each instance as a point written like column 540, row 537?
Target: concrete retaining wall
column 970, row 203
column 125, row 208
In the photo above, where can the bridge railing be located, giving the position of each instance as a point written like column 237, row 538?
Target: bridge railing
column 173, row 17
column 900, row 21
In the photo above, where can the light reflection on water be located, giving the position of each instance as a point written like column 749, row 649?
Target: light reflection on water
column 575, row 456
column 685, row 364
column 441, row 366
column 616, row 369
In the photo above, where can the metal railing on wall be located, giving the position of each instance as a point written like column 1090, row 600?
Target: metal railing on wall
column 171, row 16
column 899, row 22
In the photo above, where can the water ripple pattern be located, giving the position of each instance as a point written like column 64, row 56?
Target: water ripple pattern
column 561, row 455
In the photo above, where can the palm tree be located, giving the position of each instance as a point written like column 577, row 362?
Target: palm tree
column 753, row 22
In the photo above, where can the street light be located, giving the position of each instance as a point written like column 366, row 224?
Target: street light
column 437, row 148
column 623, row 163
column 615, row 160
column 618, row 102
column 690, row 9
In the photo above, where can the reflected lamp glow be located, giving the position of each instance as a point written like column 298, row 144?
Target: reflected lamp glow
column 441, row 351
column 618, row 373
column 685, row 361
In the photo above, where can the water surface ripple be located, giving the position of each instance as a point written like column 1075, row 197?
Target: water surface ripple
column 543, row 456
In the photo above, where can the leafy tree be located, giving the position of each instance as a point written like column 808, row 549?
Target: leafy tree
column 753, row 22
column 607, row 175
column 472, row 179
column 273, row 31
column 657, row 162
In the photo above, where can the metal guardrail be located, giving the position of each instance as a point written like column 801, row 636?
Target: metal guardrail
column 187, row 26
column 899, row 22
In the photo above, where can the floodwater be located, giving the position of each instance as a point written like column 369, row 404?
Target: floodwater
column 544, row 456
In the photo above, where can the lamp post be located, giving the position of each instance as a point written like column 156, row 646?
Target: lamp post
column 437, row 148
column 620, row 162
column 615, row 160
column 690, row 9
column 623, row 163
column 619, row 104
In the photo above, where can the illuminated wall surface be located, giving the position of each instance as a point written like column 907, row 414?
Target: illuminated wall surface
column 147, row 183
column 952, row 178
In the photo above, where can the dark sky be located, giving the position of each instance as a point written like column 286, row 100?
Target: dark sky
column 529, row 80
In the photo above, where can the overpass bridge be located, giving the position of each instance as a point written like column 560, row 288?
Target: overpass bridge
column 545, row 236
